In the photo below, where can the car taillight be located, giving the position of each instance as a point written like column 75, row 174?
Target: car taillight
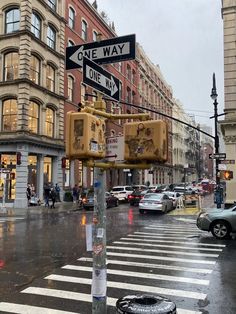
column 84, row 200
column 130, row 196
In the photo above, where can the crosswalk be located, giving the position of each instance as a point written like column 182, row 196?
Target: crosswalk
column 10, row 219
column 160, row 259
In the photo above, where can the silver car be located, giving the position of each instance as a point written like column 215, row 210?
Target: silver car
column 155, row 201
column 221, row 222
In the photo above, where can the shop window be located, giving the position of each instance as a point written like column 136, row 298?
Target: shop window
column 34, row 69
column 70, row 88
column 50, row 79
column 71, row 18
column 47, row 170
column 49, row 122
column 51, row 37
column 11, row 68
column 12, row 20
column 33, row 117
column 36, row 25
column 9, row 115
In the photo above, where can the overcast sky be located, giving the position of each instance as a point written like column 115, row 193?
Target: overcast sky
column 185, row 37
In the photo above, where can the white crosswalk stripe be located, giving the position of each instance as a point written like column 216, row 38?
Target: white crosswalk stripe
column 9, row 219
column 155, row 262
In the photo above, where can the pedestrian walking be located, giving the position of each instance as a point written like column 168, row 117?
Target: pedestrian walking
column 52, row 196
column 28, row 193
column 75, row 193
column 46, row 194
column 57, row 190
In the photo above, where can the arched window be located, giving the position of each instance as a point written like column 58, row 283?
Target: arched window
column 49, row 122
column 84, row 30
column 33, row 117
column 50, row 79
column 9, row 115
column 34, row 69
column 51, row 37
column 70, row 88
column 12, row 20
column 11, row 61
column 71, row 18
column 36, row 25
column 52, row 4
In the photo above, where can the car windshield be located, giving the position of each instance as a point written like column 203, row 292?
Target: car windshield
column 117, row 189
column 153, row 196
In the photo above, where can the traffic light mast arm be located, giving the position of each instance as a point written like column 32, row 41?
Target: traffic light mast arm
column 108, row 165
column 110, row 116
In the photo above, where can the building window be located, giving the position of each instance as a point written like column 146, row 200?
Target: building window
column 33, row 117
column 50, row 79
column 51, row 37
column 52, row 4
column 49, row 122
column 11, row 69
column 36, row 24
column 70, row 88
column 12, row 22
column 84, row 30
column 71, row 18
column 70, row 43
column 83, row 92
column 95, row 36
column 9, row 115
column 128, row 74
column 34, row 69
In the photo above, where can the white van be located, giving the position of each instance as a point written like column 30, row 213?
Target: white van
column 122, row 192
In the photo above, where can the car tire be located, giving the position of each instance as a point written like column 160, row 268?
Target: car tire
column 141, row 211
column 221, row 229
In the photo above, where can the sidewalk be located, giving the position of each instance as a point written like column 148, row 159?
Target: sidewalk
column 60, row 207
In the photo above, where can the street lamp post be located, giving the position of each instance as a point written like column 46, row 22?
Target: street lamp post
column 214, row 98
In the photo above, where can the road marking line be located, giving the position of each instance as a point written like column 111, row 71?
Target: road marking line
column 175, row 226
column 142, row 275
column 157, row 235
column 81, row 297
column 162, row 258
column 126, row 248
column 169, row 246
column 29, row 309
column 127, row 286
column 175, row 230
column 173, row 246
column 148, row 265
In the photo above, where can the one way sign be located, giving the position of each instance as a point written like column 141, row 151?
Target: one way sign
column 96, row 77
column 105, row 51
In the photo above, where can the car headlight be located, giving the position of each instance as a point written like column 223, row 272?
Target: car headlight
column 203, row 215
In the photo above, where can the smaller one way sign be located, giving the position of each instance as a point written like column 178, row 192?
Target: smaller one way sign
column 98, row 78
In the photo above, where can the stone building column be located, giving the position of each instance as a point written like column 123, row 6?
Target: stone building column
column 22, row 178
column 40, row 178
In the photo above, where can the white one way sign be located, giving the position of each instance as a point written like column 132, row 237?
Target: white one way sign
column 97, row 77
column 105, row 51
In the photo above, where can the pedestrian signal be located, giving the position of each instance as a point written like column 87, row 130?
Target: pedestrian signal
column 226, row 174
column 84, row 136
column 146, row 141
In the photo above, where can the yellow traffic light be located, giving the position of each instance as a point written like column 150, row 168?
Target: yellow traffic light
column 146, row 141
column 84, row 136
column 226, row 174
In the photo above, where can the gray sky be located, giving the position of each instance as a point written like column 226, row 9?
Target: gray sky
column 185, row 37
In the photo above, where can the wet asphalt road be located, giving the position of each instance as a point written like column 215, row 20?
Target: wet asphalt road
column 166, row 254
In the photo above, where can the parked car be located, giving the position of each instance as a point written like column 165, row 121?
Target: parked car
column 135, row 197
column 140, row 187
column 88, row 200
column 122, row 192
column 155, row 201
column 174, row 196
column 220, row 221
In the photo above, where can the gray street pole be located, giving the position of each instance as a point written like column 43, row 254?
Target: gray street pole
column 99, row 277
column 214, row 98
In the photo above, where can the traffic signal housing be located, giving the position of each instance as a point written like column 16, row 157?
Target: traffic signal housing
column 84, row 136
column 226, row 174
column 146, row 141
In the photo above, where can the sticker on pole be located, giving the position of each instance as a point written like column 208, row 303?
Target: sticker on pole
column 99, row 283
